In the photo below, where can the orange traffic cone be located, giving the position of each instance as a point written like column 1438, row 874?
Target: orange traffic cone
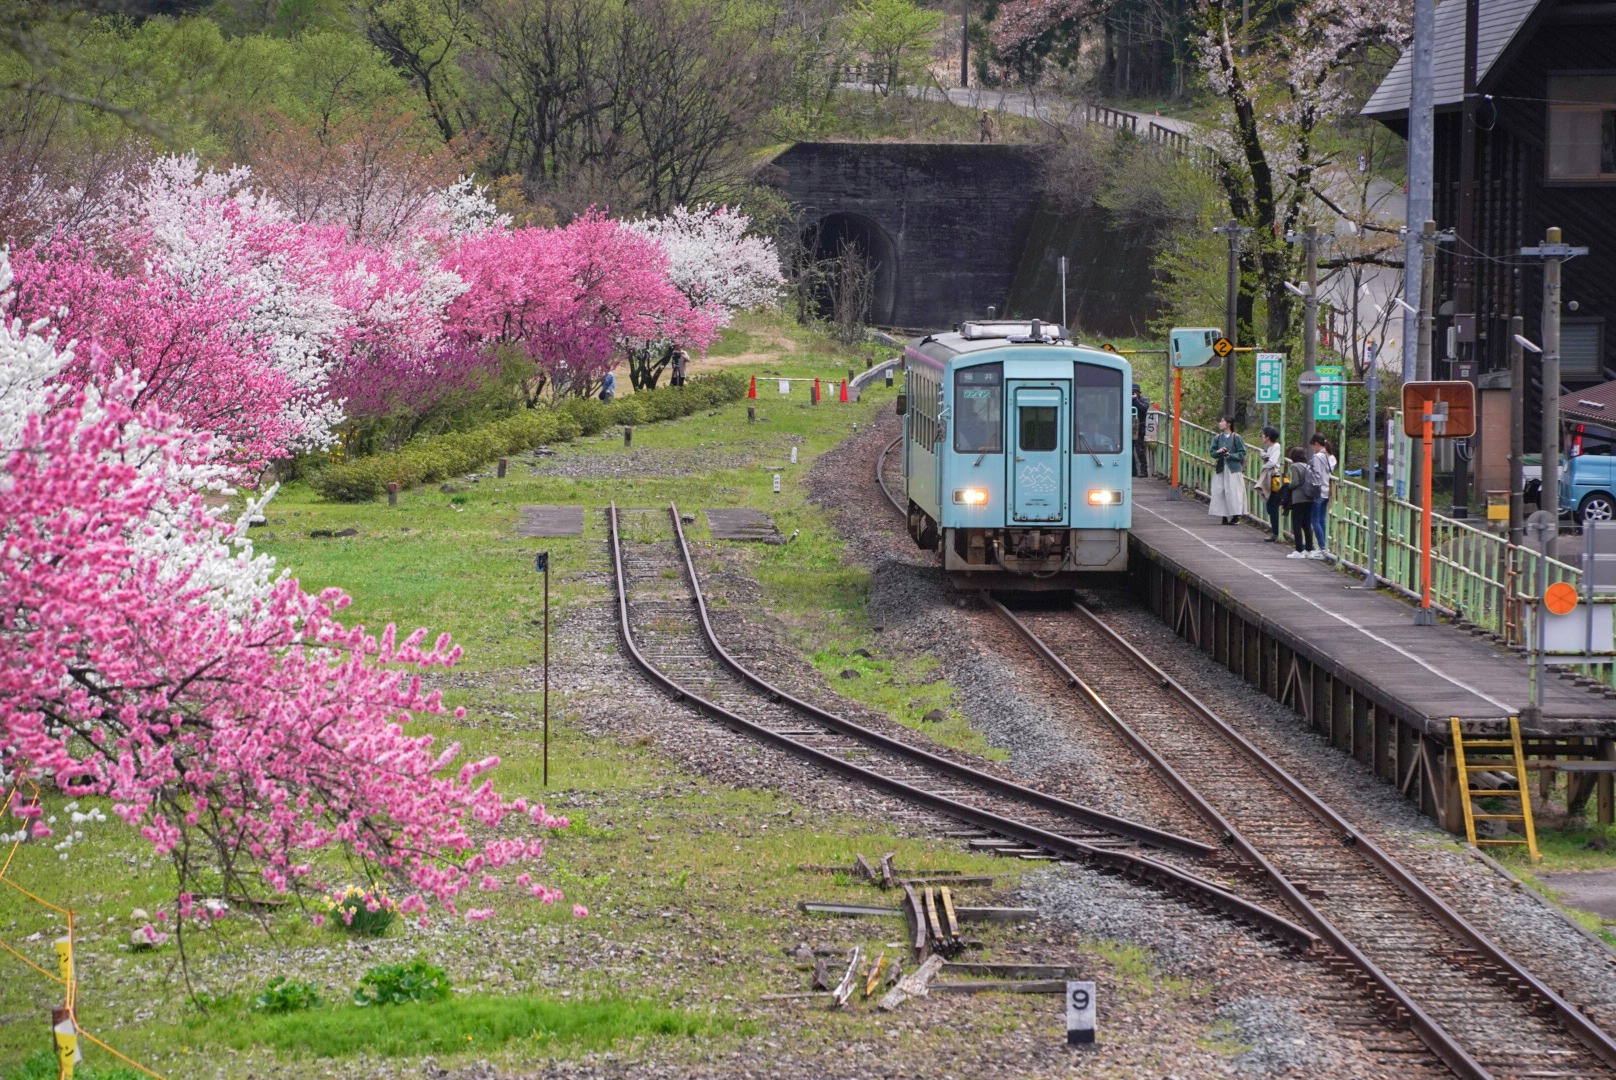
column 844, row 390
column 751, row 391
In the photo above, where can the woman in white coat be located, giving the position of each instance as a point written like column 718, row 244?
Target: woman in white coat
column 1228, row 469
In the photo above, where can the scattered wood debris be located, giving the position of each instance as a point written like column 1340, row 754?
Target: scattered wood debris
column 844, row 989
column 913, row 985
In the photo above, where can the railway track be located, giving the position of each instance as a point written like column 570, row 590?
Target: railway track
column 668, row 633
column 1473, row 1004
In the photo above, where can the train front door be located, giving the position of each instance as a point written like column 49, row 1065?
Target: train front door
column 1039, row 423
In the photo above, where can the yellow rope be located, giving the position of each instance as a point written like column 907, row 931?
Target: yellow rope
column 49, row 975
column 114, row 1053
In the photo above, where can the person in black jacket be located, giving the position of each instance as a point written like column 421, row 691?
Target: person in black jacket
column 1141, row 456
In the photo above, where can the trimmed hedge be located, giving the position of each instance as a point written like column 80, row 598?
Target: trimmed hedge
column 431, row 460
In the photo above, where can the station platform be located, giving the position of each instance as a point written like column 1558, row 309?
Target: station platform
column 1349, row 660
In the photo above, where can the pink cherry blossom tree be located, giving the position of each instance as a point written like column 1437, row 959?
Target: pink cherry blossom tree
column 570, row 299
column 149, row 656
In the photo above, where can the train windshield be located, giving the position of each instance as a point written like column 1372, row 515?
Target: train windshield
column 979, row 409
column 1098, row 401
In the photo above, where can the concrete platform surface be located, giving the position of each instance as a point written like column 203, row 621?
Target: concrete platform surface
column 1434, row 672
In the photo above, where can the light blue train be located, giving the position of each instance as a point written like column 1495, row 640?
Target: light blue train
column 1016, row 454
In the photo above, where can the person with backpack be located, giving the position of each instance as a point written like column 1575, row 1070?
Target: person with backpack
column 1228, row 464
column 1322, row 466
column 1296, row 494
column 1270, row 479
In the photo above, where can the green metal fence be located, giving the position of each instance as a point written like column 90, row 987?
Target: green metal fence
column 1477, row 576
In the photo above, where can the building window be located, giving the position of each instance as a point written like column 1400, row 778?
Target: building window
column 1582, row 127
column 1582, row 349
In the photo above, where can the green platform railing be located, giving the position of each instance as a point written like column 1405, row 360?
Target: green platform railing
column 1477, row 576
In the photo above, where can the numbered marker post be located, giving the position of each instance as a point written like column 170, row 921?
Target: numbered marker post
column 1079, row 1013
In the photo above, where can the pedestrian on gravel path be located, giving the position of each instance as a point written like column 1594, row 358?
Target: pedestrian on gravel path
column 1271, row 478
column 1228, row 467
column 681, row 362
column 1322, row 466
column 1298, row 493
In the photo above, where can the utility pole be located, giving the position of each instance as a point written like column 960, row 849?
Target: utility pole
column 1553, row 252
column 1422, row 362
column 1421, row 156
column 965, row 44
column 1232, row 232
column 1309, row 239
column 1517, row 429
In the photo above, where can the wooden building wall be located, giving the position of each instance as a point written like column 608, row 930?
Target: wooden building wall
column 1515, row 203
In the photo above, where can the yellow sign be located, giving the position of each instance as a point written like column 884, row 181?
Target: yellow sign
column 1560, row 598
column 1223, row 347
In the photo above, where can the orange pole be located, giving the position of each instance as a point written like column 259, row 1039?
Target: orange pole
column 1178, row 400
column 1425, row 514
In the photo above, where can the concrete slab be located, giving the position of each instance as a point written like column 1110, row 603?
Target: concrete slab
column 742, row 523
column 1587, row 890
column 542, row 521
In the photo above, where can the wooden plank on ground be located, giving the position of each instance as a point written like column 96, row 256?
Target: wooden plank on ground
column 912, row 985
column 1002, row 986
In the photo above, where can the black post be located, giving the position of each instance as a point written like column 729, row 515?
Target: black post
column 542, row 564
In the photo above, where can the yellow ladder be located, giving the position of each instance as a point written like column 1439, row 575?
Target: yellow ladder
column 1515, row 764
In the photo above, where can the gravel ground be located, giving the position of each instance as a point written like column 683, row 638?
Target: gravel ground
column 1273, row 1011
column 1580, row 968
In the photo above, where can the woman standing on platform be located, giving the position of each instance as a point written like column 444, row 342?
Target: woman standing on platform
column 1228, row 465
column 1270, row 478
column 1323, row 466
column 1299, row 487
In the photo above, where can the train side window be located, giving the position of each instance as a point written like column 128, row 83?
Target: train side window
column 1097, row 406
column 1040, row 427
column 979, row 410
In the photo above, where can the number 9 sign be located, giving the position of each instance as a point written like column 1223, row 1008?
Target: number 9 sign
column 1079, row 1013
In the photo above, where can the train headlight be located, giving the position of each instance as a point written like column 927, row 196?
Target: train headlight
column 1102, row 497
column 970, row 496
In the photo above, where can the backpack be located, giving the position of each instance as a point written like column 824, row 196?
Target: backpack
column 1311, row 488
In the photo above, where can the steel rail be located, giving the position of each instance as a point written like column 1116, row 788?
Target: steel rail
column 1163, row 876
column 880, row 474
column 1430, row 1032
column 1595, row 1038
column 1133, row 830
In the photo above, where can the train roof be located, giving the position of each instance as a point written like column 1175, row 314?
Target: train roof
column 982, row 337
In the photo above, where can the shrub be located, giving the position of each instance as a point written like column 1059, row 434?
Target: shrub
column 283, row 995
column 400, row 984
column 435, row 459
column 362, row 911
